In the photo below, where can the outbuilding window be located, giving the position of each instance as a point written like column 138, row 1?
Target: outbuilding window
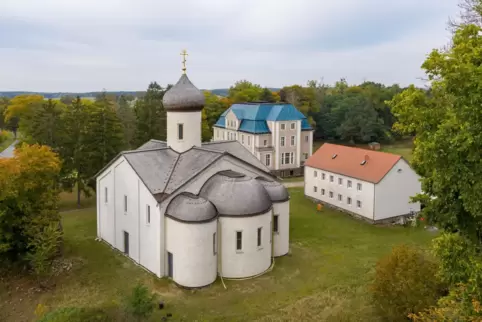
column 359, row 186
column 214, row 244
column 180, row 131
column 323, row 176
column 348, row 200
column 322, row 192
column 358, row 203
column 348, row 184
column 332, row 178
column 340, row 181
column 268, row 160
column 260, row 232
column 315, row 189
column 275, row 223
column 148, row 214
column 283, row 126
column 265, row 142
column 340, row 197
column 282, row 141
column 292, row 140
column 239, row 240
column 293, row 126
column 331, row 194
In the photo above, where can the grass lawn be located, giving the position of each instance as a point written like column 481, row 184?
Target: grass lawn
column 7, row 143
column 293, row 179
column 324, row 278
column 68, row 200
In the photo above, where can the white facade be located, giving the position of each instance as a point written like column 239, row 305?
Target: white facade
column 281, row 233
column 187, row 122
column 251, row 259
column 121, row 183
column 191, row 245
column 386, row 199
column 194, row 252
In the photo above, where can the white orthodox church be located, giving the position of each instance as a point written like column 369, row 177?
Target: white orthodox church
column 190, row 210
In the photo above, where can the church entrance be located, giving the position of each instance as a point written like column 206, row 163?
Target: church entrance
column 126, row 243
column 170, row 264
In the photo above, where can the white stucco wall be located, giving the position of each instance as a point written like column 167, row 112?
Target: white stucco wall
column 251, row 260
column 366, row 195
column 144, row 241
column 393, row 192
column 191, row 133
column 191, row 244
column 281, row 239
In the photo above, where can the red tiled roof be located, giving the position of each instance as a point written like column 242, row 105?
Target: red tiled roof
column 348, row 162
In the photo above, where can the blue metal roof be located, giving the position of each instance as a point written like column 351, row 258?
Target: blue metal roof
column 254, row 116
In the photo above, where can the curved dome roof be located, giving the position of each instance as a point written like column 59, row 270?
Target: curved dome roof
column 187, row 207
column 235, row 194
column 276, row 191
column 183, row 96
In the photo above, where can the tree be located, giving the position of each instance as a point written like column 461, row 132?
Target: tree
column 214, row 106
column 44, row 124
column 267, row 96
column 150, row 115
column 104, row 137
column 245, row 91
column 448, row 130
column 470, row 13
column 28, row 199
column 127, row 116
column 73, row 147
column 20, row 110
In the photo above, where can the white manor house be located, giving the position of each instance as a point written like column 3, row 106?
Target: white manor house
column 192, row 211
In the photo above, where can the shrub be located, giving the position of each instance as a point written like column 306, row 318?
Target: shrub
column 405, row 283
column 3, row 136
column 140, row 303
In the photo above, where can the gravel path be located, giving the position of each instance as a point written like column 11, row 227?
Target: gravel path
column 8, row 152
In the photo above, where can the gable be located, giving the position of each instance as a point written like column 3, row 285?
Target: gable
column 348, row 161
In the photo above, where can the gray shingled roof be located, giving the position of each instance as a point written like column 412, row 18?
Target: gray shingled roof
column 236, row 149
column 235, row 194
column 183, row 96
column 276, row 190
column 187, row 207
column 153, row 144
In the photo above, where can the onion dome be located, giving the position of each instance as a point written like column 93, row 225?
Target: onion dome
column 189, row 208
column 276, row 191
column 234, row 194
column 183, row 96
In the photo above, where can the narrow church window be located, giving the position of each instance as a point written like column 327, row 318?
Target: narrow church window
column 214, row 244
column 268, row 160
column 260, row 230
column 265, row 142
column 106, row 198
column 125, row 203
column 306, row 138
column 275, row 223
column 148, row 214
column 180, row 131
column 242, row 138
column 249, row 140
column 239, row 240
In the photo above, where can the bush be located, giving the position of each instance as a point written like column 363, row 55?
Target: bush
column 405, row 283
column 140, row 303
column 4, row 136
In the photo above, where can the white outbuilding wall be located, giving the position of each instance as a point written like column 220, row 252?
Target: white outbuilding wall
column 251, row 259
column 393, row 192
column 194, row 254
column 191, row 121
column 281, row 239
column 314, row 178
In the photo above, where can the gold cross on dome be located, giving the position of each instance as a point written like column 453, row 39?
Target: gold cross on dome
column 184, row 54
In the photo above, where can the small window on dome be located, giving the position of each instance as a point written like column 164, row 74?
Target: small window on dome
column 334, row 156
column 363, row 162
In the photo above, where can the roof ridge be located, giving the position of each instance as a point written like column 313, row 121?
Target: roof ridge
column 207, row 150
column 145, row 150
column 217, row 142
column 171, row 172
column 356, row 147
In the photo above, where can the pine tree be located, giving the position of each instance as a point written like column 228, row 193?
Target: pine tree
column 126, row 114
column 151, row 120
column 45, row 124
column 104, row 136
column 73, row 147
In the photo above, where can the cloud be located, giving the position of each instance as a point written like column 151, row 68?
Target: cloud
column 56, row 45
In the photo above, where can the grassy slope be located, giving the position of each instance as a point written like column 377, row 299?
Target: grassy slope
column 68, row 200
column 325, row 278
column 7, row 143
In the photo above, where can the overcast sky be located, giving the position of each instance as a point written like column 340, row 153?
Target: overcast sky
column 90, row 45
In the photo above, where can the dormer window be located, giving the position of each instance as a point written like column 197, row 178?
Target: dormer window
column 334, row 156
